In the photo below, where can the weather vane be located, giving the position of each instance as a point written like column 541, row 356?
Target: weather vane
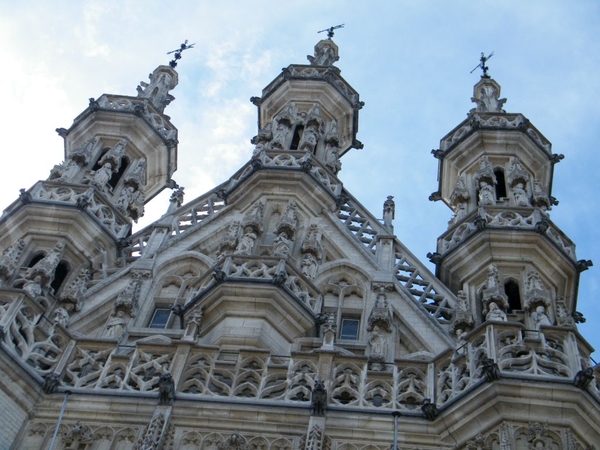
column 177, row 55
column 485, row 68
column 330, row 30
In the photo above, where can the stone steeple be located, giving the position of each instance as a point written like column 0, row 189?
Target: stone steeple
column 310, row 109
column 501, row 248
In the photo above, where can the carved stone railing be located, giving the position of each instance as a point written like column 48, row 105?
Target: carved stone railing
column 97, row 365
column 144, row 109
column 498, row 218
column 410, row 273
column 272, row 270
column 494, row 121
column 101, row 211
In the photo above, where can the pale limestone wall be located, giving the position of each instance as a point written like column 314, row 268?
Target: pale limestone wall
column 12, row 417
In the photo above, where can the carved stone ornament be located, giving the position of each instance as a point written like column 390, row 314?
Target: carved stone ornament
column 380, row 314
column 229, row 241
column 114, row 155
column 127, row 300
column 563, row 318
column 378, row 349
column 536, row 293
column 389, row 212
column 318, row 402
column 45, row 267
column 478, row 443
column 254, row 218
column 429, row 410
column 328, row 330
column 540, row 197
column 493, row 290
column 485, row 172
column 78, row 434
column 516, row 173
column 72, row 294
column 152, row 438
column 463, row 318
column 162, row 80
column 136, row 177
column 326, row 53
column 486, row 95
column 10, row 258
column 312, row 241
column 51, row 383
column 234, row 442
column 460, row 193
column 288, row 222
column 166, row 389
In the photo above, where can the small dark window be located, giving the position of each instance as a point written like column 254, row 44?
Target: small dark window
column 60, row 274
column 35, row 259
column 296, row 139
column 511, row 289
column 350, row 329
column 160, row 318
column 116, row 176
column 500, row 184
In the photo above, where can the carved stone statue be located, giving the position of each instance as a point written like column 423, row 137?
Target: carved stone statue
column 116, row 325
column 46, row 266
column 34, row 287
column 102, row 176
column 325, row 54
column 280, row 135
column 309, row 265
column 539, row 317
column 540, row 198
column 487, row 194
column 61, row 317
column 282, row 245
column 519, row 195
column 389, row 212
column 166, row 389
column 246, row 244
column 71, row 295
column 495, row 313
column 378, row 344
column 486, row 98
column 318, row 399
column 310, row 137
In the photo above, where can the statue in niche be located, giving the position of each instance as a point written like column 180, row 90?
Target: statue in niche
column 332, row 158
column 282, row 245
column 492, row 277
column 61, row 317
column 116, row 325
column 519, row 195
column 460, row 212
column 495, row 313
column 539, row 317
column 378, row 344
column 487, row 194
column 102, row 176
column 246, row 244
column 46, row 266
column 310, row 137
column 309, row 265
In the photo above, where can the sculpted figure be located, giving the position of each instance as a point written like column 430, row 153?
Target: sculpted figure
column 309, row 139
column 539, row 317
column 309, row 265
column 282, row 245
column 102, row 176
column 34, row 287
column 61, row 317
column 495, row 313
column 246, row 242
column 519, row 195
column 116, row 325
column 487, row 196
column 378, row 344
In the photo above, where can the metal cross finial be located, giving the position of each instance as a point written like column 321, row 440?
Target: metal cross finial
column 177, row 55
column 330, row 30
column 485, row 68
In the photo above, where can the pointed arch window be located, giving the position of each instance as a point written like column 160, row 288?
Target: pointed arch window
column 511, row 289
column 60, row 275
column 297, row 136
column 500, row 184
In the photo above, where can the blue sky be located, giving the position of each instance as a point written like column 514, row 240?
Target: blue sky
column 409, row 60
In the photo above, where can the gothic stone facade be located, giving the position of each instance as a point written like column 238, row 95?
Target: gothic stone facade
column 275, row 312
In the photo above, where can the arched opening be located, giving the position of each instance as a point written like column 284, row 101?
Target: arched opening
column 297, row 136
column 117, row 175
column 60, row 274
column 36, row 259
column 500, row 184
column 511, row 289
